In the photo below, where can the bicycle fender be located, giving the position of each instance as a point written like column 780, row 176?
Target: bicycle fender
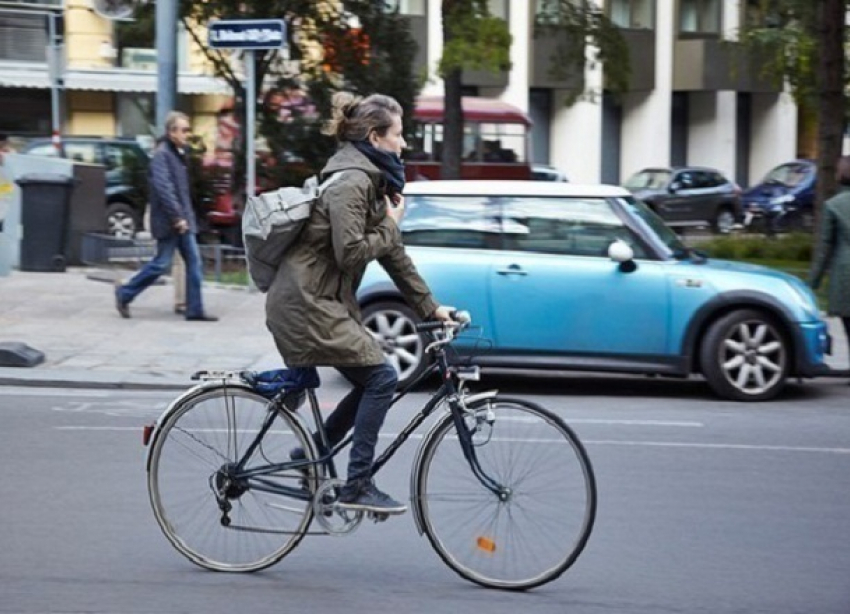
column 193, row 391
column 469, row 400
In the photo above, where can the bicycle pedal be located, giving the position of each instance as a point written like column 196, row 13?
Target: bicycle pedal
column 377, row 517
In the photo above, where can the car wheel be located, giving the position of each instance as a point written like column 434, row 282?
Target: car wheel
column 745, row 356
column 724, row 221
column 122, row 220
column 393, row 325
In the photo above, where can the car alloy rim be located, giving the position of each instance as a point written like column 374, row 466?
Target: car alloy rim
column 753, row 357
column 725, row 222
column 121, row 225
column 399, row 340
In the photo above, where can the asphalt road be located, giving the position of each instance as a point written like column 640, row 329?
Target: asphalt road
column 704, row 506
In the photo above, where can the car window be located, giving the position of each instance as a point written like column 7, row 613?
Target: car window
column 791, row 175
column 650, row 179
column 655, row 226
column 573, row 226
column 82, row 152
column 451, row 221
column 46, row 149
column 685, row 180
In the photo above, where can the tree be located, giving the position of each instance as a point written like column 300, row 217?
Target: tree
column 474, row 39
column 804, row 43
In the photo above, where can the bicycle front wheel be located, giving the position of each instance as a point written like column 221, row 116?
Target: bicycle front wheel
column 536, row 526
column 191, row 476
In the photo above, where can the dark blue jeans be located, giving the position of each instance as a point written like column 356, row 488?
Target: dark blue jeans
column 161, row 262
column 364, row 408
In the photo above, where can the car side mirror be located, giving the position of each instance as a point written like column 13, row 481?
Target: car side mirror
column 622, row 252
column 674, row 187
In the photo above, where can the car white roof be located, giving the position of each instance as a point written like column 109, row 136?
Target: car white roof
column 473, row 187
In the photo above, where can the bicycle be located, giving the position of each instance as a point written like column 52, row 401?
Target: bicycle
column 227, row 495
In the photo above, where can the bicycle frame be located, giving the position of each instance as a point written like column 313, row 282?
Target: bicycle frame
column 449, row 391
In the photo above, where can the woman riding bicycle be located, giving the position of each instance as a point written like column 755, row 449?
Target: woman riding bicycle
column 311, row 308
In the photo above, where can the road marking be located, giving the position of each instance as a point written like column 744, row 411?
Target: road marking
column 589, row 442
column 635, row 422
column 13, row 391
column 716, row 446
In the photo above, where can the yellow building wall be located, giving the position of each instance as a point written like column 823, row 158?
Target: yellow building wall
column 90, row 113
column 87, row 33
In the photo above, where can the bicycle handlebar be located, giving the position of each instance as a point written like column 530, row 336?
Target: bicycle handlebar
column 459, row 321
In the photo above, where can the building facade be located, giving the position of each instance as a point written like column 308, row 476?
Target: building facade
column 688, row 101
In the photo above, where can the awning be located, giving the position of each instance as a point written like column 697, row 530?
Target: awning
column 110, row 80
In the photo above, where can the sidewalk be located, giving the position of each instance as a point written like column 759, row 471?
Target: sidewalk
column 71, row 318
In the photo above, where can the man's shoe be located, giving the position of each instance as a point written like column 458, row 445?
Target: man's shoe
column 204, row 317
column 364, row 495
column 179, row 310
column 122, row 307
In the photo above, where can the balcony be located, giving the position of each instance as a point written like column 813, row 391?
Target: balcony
column 710, row 64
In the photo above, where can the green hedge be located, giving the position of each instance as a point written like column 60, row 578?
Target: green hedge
column 794, row 247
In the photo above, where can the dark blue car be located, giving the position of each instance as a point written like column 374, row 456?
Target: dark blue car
column 784, row 198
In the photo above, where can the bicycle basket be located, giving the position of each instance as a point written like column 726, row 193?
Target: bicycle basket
column 270, row 383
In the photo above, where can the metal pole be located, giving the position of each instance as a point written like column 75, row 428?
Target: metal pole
column 166, row 47
column 55, row 64
column 250, row 119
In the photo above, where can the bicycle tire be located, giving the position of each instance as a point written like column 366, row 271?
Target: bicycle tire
column 198, row 437
column 540, row 530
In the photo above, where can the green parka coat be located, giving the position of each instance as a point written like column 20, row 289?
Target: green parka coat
column 832, row 254
column 311, row 307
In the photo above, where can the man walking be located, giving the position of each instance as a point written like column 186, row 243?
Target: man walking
column 172, row 220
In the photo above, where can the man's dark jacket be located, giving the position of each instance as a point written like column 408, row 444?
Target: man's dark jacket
column 170, row 194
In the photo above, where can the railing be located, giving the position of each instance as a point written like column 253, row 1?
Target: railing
column 222, row 263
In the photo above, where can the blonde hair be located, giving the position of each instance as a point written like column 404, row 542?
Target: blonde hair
column 353, row 117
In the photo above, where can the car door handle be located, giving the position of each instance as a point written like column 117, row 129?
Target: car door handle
column 514, row 269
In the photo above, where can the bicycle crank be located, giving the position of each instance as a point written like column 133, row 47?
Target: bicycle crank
column 334, row 519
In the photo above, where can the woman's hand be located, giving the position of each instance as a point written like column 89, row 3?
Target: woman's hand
column 444, row 313
column 395, row 207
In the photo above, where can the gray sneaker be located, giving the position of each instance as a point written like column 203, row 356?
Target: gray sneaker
column 364, row 495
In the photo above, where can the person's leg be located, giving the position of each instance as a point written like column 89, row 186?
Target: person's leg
column 178, row 278
column 194, row 275
column 846, row 322
column 378, row 383
column 149, row 273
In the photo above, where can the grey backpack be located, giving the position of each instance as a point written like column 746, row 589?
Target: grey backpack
column 272, row 221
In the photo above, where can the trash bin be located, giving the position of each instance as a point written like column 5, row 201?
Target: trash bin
column 45, row 209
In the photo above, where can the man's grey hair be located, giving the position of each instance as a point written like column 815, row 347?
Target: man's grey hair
column 172, row 118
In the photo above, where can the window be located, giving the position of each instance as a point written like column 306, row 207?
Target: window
column 699, row 16
column 569, row 226
column 82, row 152
column 451, row 221
column 405, row 7
column 22, row 37
column 635, row 14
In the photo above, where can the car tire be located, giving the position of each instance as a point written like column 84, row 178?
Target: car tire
column 745, row 356
column 122, row 220
column 724, row 221
column 393, row 323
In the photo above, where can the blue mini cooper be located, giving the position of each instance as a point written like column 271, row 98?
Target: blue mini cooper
column 569, row 277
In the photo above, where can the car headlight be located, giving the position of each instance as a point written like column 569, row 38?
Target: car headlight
column 805, row 299
column 781, row 200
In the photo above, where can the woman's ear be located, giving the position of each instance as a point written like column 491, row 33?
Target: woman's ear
column 373, row 138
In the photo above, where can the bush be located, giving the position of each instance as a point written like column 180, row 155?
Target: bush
column 794, row 247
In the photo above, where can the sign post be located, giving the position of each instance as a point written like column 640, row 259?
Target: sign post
column 248, row 35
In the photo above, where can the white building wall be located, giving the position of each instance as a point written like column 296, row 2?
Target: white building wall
column 773, row 132
column 520, row 22
column 713, row 130
column 645, row 132
column 434, row 84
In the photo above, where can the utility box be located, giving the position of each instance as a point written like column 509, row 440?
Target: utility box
column 45, row 210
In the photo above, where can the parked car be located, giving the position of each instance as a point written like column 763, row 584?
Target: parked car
column 544, row 172
column 588, row 278
column 126, row 165
column 688, row 196
column 783, row 199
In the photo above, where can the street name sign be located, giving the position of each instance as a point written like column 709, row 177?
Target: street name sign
column 247, row 34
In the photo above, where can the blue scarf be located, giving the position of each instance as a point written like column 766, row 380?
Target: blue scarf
column 387, row 162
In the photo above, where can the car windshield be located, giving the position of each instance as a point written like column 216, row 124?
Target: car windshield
column 654, row 225
column 652, row 179
column 789, row 175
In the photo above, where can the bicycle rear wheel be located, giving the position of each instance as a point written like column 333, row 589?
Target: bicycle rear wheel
column 538, row 527
column 197, row 446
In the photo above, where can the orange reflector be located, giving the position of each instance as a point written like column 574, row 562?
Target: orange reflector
column 146, row 433
column 486, row 544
